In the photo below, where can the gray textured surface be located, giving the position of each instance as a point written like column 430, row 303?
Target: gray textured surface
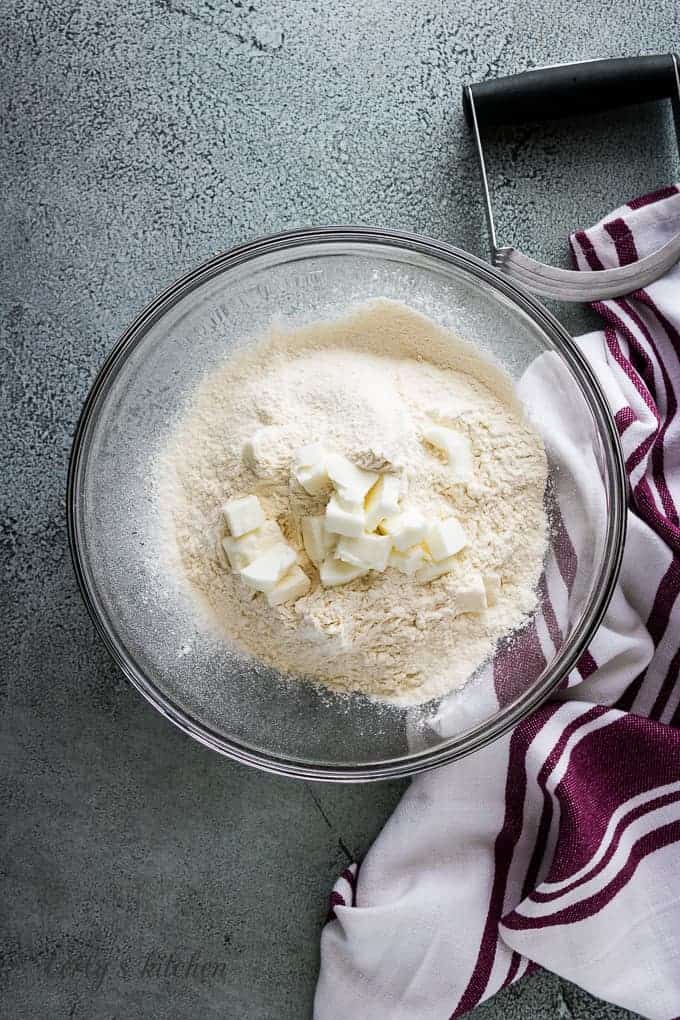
column 138, row 139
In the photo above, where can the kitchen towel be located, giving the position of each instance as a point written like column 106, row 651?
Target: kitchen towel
column 559, row 844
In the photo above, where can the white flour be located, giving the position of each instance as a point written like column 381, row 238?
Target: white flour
column 366, row 385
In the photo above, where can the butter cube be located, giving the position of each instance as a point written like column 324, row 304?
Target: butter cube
column 310, row 469
column 243, row 515
column 242, row 551
column 406, row 529
column 264, row 573
column 317, row 540
column 369, row 551
column 492, row 586
column 291, row 587
column 333, row 572
column 430, row 571
column 446, row 538
column 456, row 448
column 382, row 501
column 344, row 518
column 410, row 561
column 470, row 597
column 351, row 483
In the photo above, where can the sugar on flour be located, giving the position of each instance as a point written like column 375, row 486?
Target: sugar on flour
column 382, row 385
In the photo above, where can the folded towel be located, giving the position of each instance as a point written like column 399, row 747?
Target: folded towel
column 559, row 844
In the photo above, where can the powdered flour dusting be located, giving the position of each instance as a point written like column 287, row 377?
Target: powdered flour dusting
column 366, row 385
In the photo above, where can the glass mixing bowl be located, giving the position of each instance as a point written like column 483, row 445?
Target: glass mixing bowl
column 236, row 706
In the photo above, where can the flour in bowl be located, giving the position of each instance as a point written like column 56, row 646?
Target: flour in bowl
column 388, row 390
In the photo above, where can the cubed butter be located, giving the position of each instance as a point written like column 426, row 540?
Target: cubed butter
column 446, row 538
column 351, row 483
column 344, row 518
column 237, row 559
column 369, row 551
column 310, row 469
column 406, row 529
column 382, row 501
column 242, row 551
column 410, row 561
column 470, row 596
column 317, row 540
column 492, row 586
column 264, row 573
column 430, row 571
column 243, row 515
column 456, row 448
column 333, row 572
column 291, row 587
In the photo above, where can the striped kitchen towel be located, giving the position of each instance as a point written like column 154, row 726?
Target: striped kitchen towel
column 559, row 844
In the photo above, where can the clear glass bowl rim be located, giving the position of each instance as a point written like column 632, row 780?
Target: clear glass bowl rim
column 452, row 748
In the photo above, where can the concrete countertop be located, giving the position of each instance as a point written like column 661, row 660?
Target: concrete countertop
column 139, row 139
